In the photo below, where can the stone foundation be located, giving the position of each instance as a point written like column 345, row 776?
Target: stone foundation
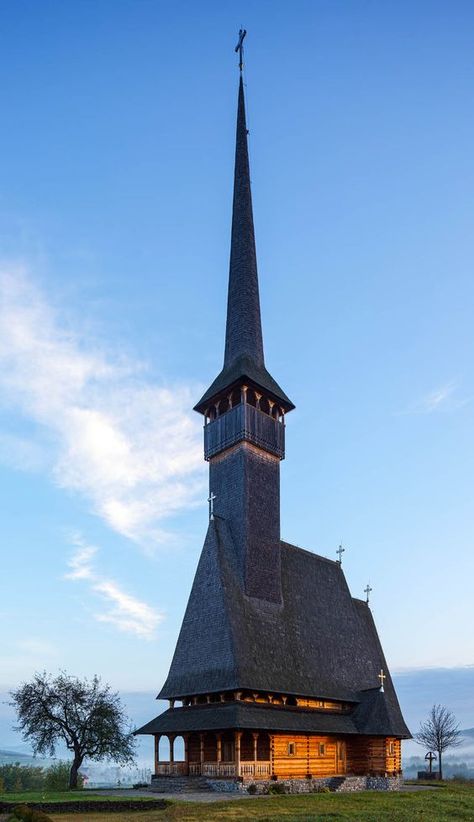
column 338, row 784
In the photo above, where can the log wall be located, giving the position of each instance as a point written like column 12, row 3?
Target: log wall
column 308, row 757
column 328, row 756
column 373, row 755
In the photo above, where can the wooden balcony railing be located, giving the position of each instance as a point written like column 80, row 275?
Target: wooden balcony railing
column 248, row 770
column 171, row 768
column 244, row 422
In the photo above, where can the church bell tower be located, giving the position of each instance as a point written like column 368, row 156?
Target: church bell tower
column 244, row 409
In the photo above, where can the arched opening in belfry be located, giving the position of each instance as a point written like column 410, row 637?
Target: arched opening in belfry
column 291, row 700
column 264, row 405
column 223, row 406
column 236, row 396
column 251, row 397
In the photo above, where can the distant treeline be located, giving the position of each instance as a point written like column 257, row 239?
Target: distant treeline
column 14, row 778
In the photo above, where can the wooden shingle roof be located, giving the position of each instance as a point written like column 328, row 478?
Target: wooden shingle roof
column 320, row 642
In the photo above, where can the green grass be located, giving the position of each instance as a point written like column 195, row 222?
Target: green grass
column 24, row 797
column 438, row 805
column 442, row 804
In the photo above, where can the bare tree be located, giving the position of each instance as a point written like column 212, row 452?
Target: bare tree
column 439, row 732
column 87, row 716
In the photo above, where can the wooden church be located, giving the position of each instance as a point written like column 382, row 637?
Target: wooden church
column 278, row 671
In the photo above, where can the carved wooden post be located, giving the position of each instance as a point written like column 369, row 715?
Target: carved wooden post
column 186, row 752
column 255, row 750
column 219, row 747
column 238, row 735
column 171, row 741
column 244, row 390
column 157, row 751
column 201, row 748
column 171, row 702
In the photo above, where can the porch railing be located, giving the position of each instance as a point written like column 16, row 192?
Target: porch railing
column 171, row 768
column 258, row 770
column 248, row 770
column 218, row 769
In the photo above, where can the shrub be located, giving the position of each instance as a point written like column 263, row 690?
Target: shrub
column 278, row 787
column 321, row 789
column 21, row 777
column 56, row 778
column 140, row 785
column 252, row 788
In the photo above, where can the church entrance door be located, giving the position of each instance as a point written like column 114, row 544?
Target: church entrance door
column 340, row 757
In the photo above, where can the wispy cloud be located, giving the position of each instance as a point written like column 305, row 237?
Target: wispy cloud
column 131, row 448
column 121, row 610
column 442, row 398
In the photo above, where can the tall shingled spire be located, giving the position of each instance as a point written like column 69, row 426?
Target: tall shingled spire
column 243, row 358
column 244, row 327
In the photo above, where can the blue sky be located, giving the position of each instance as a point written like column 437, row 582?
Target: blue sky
column 117, row 151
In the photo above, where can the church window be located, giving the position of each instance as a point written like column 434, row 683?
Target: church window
column 391, row 748
column 322, row 749
column 291, row 749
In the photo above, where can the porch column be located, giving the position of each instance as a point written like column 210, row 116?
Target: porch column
column 238, row 735
column 255, row 743
column 171, row 741
column 157, row 751
column 201, row 748
column 219, row 747
column 186, row 751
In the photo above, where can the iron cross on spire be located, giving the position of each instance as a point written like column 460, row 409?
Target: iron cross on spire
column 367, row 592
column 210, row 500
column 240, row 48
column 382, row 678
column 340, row 552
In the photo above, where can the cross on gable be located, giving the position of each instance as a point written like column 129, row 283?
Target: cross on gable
column 382, row 678
column 367, row 591
column 340, row 552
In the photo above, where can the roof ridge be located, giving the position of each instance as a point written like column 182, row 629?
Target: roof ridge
column 308, row 552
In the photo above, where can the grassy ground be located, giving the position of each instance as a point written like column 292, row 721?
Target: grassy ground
column 437, row 805
column 67, row 796
column 442, row 804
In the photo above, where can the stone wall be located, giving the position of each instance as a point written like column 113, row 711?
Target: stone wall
column 338, row 784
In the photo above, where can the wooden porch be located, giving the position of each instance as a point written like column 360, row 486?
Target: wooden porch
column 227, row 754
